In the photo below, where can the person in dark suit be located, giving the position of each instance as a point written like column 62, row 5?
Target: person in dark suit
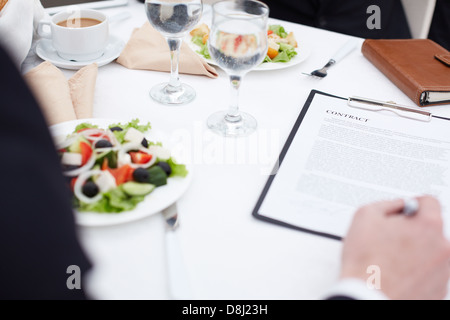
column 344, row 16
column 40, row 255
column 440, row 25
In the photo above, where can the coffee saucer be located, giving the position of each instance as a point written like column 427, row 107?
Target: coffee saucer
column 45, row 51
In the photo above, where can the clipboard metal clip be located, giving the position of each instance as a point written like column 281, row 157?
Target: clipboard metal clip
column 402, row 111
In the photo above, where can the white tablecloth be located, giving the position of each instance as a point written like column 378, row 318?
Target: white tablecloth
column 228, row 253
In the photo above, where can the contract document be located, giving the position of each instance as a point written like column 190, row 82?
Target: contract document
column 339, row 158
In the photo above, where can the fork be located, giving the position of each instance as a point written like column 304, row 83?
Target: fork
column 339, row 55
column 179, row 287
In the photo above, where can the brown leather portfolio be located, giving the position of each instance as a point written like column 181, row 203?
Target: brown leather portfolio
column 419, row 67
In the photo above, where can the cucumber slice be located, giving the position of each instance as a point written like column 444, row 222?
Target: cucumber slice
column 75, row 146
column 110, row 155
column 157, row 176
column 137, row 189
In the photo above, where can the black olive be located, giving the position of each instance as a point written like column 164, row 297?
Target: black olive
column 144, row 143
column 103, row 144
column 141, row 175
column 116, row 129
column 166, row 167
column 90, row 189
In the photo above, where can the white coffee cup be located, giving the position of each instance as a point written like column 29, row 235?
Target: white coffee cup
column 77, row 43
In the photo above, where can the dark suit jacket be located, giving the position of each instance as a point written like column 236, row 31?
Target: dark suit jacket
column 440, row 27
column 38, row 240
column 344, row 16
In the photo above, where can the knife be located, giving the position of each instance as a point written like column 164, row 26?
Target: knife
column 179, row 287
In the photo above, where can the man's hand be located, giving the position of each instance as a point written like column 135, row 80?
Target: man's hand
column 412, row 253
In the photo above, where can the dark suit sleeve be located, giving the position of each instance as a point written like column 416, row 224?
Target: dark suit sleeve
column 440, row 26
column 344, row 16
column 38, row 240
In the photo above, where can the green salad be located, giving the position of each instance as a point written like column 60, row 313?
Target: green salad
column 113, row 169
column 282, row 45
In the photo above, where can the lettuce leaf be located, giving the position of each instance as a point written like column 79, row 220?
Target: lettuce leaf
column 197, row 40
column 113, row 201
column 278, row 30
column 286, row 53
column 133, row 124
column 178, row 170
column 120, row 135
column 85, row 125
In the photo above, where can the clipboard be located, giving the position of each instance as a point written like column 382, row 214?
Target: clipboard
column 354, row 102
column 285, row 149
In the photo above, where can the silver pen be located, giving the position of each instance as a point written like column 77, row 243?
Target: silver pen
column 410, row 207
column 400, row 110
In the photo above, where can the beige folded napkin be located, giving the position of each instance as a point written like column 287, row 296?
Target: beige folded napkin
column 61, row 99
column 148, row 50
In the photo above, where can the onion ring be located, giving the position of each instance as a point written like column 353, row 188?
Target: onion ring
column 131, row 146
column 66, row 142
column 78, row 187
column 89, row 134
column 89, row 164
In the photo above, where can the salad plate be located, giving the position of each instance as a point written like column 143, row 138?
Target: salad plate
column 303, row 52
column 159, row 199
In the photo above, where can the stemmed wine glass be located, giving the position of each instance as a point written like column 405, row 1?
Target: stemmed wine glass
column 237, row 43
column 173, row 19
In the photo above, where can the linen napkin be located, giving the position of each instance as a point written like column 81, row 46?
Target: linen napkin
column 148, row 50
column 61, row 99
column 18, row 23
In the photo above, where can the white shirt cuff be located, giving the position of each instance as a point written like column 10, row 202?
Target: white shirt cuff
column 355, row 289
